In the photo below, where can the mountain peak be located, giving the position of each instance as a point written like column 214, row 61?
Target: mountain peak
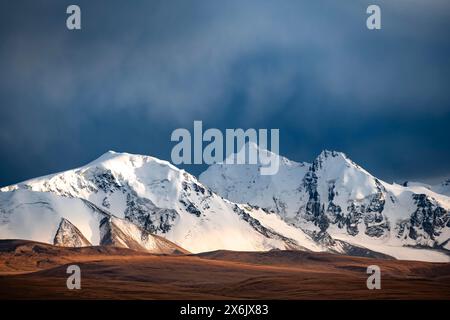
column 69, row 235
column 263, row 155
column 110, row 154
column 331, row 154
column 126, row 161
column 332, row 158
column 319, row 206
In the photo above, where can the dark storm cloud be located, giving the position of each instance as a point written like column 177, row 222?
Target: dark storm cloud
column 138, row 70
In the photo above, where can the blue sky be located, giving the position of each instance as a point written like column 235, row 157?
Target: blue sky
column 138, row 70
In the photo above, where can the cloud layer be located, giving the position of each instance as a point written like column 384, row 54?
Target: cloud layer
column 136, row 71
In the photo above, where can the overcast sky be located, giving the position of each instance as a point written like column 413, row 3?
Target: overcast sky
column 140, row 69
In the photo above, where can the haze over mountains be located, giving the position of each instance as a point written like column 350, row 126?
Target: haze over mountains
column 140, row 202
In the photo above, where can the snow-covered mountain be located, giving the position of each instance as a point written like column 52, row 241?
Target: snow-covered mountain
column 144, row 203
column 333, row 198
column 71, row 222
column 140, row 194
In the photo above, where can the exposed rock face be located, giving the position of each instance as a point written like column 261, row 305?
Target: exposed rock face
column 68, row 235
column 427, row 224
column 147, row 215
column 323, row 211
column 157, row 198
column 117, row 233
column 161, row 199
column 429, row 217
column 290, row 244
column 123, row 234
column 333, row 197
column 343, row 247
column 330, row 205
column 314, row 210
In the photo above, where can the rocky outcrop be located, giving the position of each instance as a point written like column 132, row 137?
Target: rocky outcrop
column 427, row 222
column 124, row 234
column 68, row 235
column 335, row 197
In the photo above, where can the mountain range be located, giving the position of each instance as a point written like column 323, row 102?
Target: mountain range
column 143, row 203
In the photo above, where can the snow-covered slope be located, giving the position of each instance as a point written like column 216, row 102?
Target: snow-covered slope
column 71, row 222
column 29, row 215
column 144, row 203
column 152, row 194
column 334, row 197
column 245, row 184
column 442, row 188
